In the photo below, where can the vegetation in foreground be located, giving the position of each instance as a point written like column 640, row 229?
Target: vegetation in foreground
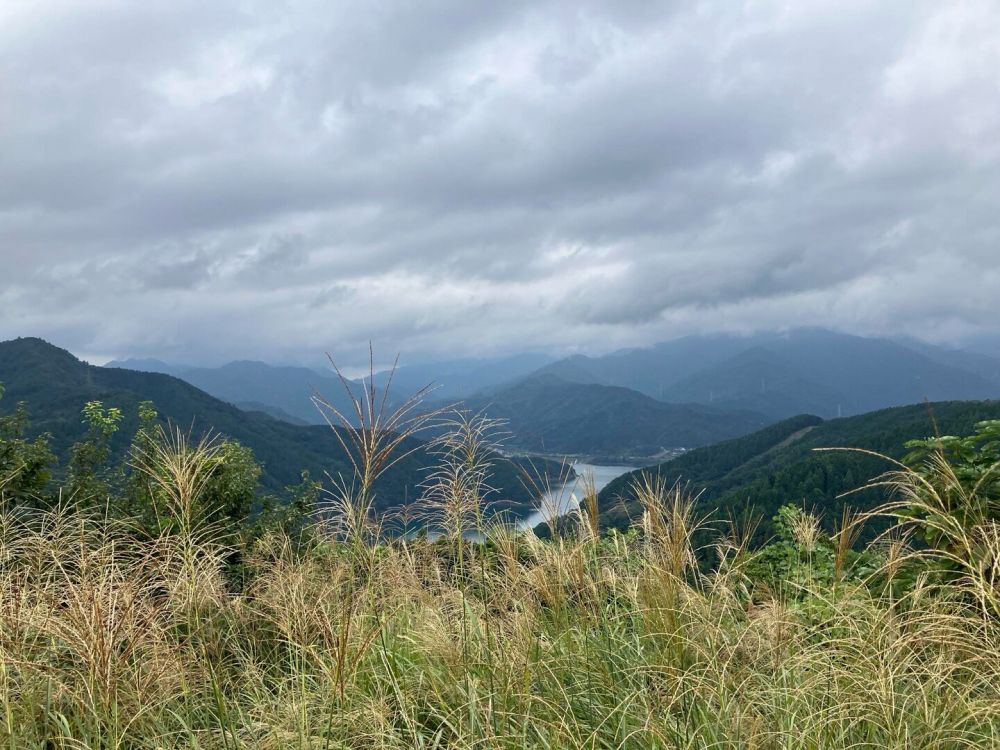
column 169, row 617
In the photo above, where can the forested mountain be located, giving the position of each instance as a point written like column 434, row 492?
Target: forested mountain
column 649, row 370
column 549, row 415
column 148, row 364
column 280, row 391
column 769, row 375
column 782, row 374
column 778, row 465
column 56, row 386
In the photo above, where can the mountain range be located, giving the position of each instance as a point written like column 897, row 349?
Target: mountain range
column 285, row 392
column 56, row 385
column 636, row 404
column 762, row 460
column 782, row 374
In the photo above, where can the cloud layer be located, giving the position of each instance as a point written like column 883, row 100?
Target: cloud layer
column 215, row 180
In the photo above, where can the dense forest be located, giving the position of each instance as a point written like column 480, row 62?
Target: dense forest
column 758, row 473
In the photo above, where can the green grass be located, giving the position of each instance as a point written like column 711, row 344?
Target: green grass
column 112, row 641
column 206, row 633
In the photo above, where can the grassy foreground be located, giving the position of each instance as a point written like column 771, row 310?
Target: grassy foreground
column 158, row 623
column 109, row 640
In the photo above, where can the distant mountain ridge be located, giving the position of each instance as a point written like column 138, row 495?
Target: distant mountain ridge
column 546, row 414
column 148, row 365
column 460, row 378
column 754, row 380
column 281, row 391
column 781, row 374
column 286, row 391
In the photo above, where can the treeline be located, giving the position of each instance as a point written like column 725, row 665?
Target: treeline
column 753, row 476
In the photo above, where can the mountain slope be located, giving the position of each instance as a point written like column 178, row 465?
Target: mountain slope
column 148, row 365
column 548, row 414
column 56, row 385
column 782, row 374
column 276, row 390
column 983, row 365
column 649, row 370
column 757, row 379
column 778, row 465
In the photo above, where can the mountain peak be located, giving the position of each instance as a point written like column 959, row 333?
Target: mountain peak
column 31, row 351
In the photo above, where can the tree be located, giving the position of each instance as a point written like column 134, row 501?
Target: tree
column 950, row 490
column 90, row 476
column 25, row 465
column 175, row 482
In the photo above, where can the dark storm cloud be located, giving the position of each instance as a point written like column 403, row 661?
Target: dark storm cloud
column 258, row 179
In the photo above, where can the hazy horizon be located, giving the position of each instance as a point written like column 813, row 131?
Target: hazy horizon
column 384, row 360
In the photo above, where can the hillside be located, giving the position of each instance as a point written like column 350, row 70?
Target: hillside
column 281, row 391
column 649, row 370
column 777, row 465
column 836, row 373
column 56, row 385
column 549, row 415
column 783, row 374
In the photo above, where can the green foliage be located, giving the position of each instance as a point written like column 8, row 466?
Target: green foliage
column 90, row 477
column 947, row 490
column 291, row 516
column 974, row 495
column 219, row 478
column 779, row 465
column 805, row 558
column 230, row 492
column 25, row 465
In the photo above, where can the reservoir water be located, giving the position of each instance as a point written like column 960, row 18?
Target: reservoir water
column 563, row 498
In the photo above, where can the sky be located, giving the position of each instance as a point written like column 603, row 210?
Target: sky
column 271, row 180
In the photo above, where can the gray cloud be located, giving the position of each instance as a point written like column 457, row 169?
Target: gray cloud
column 270, row 180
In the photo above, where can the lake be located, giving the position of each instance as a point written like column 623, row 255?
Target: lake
column 565, row 497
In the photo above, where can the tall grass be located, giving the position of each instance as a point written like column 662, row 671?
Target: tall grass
column 112, row 639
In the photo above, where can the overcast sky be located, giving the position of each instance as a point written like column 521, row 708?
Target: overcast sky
column 202, row 181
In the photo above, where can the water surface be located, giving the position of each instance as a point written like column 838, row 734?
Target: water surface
column 563, row 498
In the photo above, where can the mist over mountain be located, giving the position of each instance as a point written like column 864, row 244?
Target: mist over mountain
column 456, row 379
column 782, row 374
column 282, row 391
column 286, row 392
